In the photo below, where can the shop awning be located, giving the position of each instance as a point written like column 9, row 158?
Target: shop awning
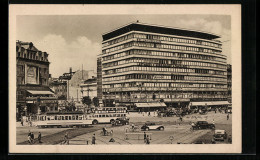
column 40, row 92
column 212, row 103
column 140, row 105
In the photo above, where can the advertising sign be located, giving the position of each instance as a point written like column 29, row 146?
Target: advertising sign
column 31, row 75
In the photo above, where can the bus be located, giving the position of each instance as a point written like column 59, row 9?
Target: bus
column 106, row 114
column 62, row 119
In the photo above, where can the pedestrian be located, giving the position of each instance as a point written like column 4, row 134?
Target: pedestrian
column 149, row 113
column 40, row 137
column 94, row 139
column 215, row 110
column 22, row 122
column 213, row 141
column 29, row 139
column 213, row 122
column 228, row 116
column 147, row 140
column 66, row 138
column 144, row 137
column 32, row 137
column 180, row 118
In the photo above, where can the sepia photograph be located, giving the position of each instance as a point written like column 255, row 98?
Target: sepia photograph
column 125, row 79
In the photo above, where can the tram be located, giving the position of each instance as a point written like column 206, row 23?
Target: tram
column 62, row 119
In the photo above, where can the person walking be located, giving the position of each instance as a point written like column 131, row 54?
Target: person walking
column 29, row 139
column 32, row 137
column 228, row 116
column 149, row 113
column 147, row 140
column 39, row 137
column 94, row 139
column 66, row 138
column 144, row 137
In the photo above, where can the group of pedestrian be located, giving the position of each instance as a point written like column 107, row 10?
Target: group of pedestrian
column 146, row 139
column 31, row 139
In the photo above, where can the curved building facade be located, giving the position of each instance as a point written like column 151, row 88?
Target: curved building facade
column 150, row 63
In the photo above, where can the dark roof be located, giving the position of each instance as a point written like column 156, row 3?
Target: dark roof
column 158, row 29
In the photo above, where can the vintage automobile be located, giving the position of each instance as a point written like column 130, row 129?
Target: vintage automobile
column 220, row 135
column 121, row 121
column 202, row 125
column 152, row 126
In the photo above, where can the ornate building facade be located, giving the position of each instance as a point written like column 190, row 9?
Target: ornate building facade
column 33, row 95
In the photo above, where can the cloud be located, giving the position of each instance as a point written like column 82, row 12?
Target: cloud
column 63, row 54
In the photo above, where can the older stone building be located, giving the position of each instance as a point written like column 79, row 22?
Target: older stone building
column 33, row 94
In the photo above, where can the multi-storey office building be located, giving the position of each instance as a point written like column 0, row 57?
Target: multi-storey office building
column 229, row 82
column 33, row 94
column 149, row 63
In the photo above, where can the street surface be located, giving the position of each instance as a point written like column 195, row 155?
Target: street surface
column 179, row 130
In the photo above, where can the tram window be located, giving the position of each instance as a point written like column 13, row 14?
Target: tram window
column 66, row 117
column 69, row 117
column 59, row 117
column 80, row 118
column 62, row 117
column 100, row 115
column 103, row 115
column 111, row 115
column 77, row 117
column 55, row 117
column 114, row 115
column 107, row 115
column 118, row 115
column 73, row 117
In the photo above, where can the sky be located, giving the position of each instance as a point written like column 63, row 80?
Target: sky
column 76, row 40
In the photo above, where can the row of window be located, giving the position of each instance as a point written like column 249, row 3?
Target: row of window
column 164, row 62
column 32, row 55
column 164, row 54
column 164, row 77
column 161, row 38
column 160, row 69
column 172, row 95
column 106, row 115
column 159, row 46
column 165, row 85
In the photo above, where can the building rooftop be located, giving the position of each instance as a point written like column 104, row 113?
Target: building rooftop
column 137, row 26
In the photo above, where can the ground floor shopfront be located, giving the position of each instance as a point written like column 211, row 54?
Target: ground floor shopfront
column 34, row 102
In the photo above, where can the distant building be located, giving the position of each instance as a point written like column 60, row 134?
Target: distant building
column 59, row 87
column 89, row 88
column 33, row 95
column 144, row 64
column 229, row 82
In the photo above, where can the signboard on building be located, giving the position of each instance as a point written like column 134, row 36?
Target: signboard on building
column 158, row 77
column 31, row 75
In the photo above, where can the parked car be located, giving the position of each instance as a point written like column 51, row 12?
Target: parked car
column 121, row 121
column 203, row 125
column 152, row 126
column 220, row 135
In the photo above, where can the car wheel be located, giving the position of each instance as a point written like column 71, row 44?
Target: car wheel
column 112, row 121
column 95, row 122
column 162, row 128
column 147, row 129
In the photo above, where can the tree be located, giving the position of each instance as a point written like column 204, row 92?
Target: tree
column 95, row 101
column 86, row 100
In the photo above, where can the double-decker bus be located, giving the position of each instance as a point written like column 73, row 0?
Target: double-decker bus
column 62, row 119
column 106, row 114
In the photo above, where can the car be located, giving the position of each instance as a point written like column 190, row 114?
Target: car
column 121, row 121
column 152, row 126
column 203, row 125
column 220, row 135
